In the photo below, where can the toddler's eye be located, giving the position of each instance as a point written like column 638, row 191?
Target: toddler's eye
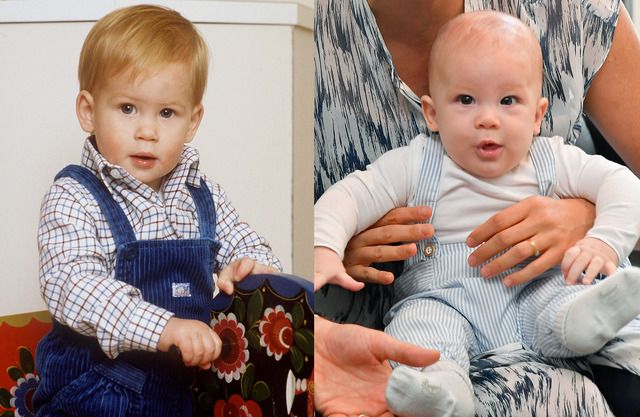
column 166, row 113
column 465, row 99
column 127, row 109
column 508, row 101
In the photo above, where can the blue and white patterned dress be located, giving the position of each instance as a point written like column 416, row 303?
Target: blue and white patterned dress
column 363, row 109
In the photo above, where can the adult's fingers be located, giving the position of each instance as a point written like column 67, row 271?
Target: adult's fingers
column 505, row 240
column 404, row 215
column 546, row 260
column 390, row 348
column 516, row 254
column 366, row 255
column 369, row 274
column 395, row 233
column 498, row 222
column 357, row 261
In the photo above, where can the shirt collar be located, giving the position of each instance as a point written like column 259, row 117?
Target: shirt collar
column 187, row 171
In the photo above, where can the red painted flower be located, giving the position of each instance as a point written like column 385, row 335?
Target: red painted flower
column 232, row 363
column 276, row 331
column 236, row 407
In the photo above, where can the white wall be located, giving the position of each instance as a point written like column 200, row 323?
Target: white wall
column 634, row 11
column 256, row 137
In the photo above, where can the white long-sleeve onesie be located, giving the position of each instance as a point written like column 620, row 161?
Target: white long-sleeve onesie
column 464, row 201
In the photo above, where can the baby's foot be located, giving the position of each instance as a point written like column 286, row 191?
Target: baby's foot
column 586, row 323
column 443, row 389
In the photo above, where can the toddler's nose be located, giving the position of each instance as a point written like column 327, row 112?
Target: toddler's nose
column 146, row 130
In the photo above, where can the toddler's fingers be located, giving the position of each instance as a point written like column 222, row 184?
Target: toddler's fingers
column 243, row 268
column 213, row 345
column 217, row 344
column 263, row 269
column 233, row 272
column 569, row 257
column 595, row 267
column 225, row 277
column 610, row 268
column 212, row 349
column 186, row 349
column 577, row 267
column 198, row 349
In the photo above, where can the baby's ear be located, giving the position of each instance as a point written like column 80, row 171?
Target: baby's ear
column 543, row 103
column 85, row 110
column 429, row 112
column 196, row 118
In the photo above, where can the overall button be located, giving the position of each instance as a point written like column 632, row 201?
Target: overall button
column 429, row 250
column 130, row 253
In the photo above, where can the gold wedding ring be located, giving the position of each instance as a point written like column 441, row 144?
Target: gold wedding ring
column 536, row 252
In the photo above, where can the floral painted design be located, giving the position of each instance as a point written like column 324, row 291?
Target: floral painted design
column 274, row 378
column 22, row 394
column 233, row 362
column 17, row 400
column 236, row 407
column 276, row 331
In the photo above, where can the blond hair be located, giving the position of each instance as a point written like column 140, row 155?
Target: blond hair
column 479, row 30
column 142, row 39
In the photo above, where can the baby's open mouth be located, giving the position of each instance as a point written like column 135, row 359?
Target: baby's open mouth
column 489, row 149
column 490, row 146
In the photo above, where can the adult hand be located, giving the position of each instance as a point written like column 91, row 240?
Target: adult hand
column 554, row 225
column 373, row 245
column 351, row 368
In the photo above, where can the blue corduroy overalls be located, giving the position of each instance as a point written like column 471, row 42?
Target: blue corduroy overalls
column 77, row 378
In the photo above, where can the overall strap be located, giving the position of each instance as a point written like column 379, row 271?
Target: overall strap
column 544, row 161
column 118, row 222
column 427, row 193
column 430, row 172
column 206, row 209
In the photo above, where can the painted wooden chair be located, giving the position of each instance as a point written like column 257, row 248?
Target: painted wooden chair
column 266, row 365
column 265, row 369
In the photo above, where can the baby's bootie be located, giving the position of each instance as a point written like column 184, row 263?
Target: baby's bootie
column 440, row 390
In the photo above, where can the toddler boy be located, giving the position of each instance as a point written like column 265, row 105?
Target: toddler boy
column 130, row 240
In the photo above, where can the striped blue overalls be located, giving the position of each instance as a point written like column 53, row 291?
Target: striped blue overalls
column 442, row 303
column 77, row 378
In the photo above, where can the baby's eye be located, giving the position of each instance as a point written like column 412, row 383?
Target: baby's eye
column 166, row 113
column 508, row 101
column 127, row 109
column 465, row 99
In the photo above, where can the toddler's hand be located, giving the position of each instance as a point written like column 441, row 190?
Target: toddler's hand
column 237, row 270
column 590, row 255
column 329, row 269
column 198, row 343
